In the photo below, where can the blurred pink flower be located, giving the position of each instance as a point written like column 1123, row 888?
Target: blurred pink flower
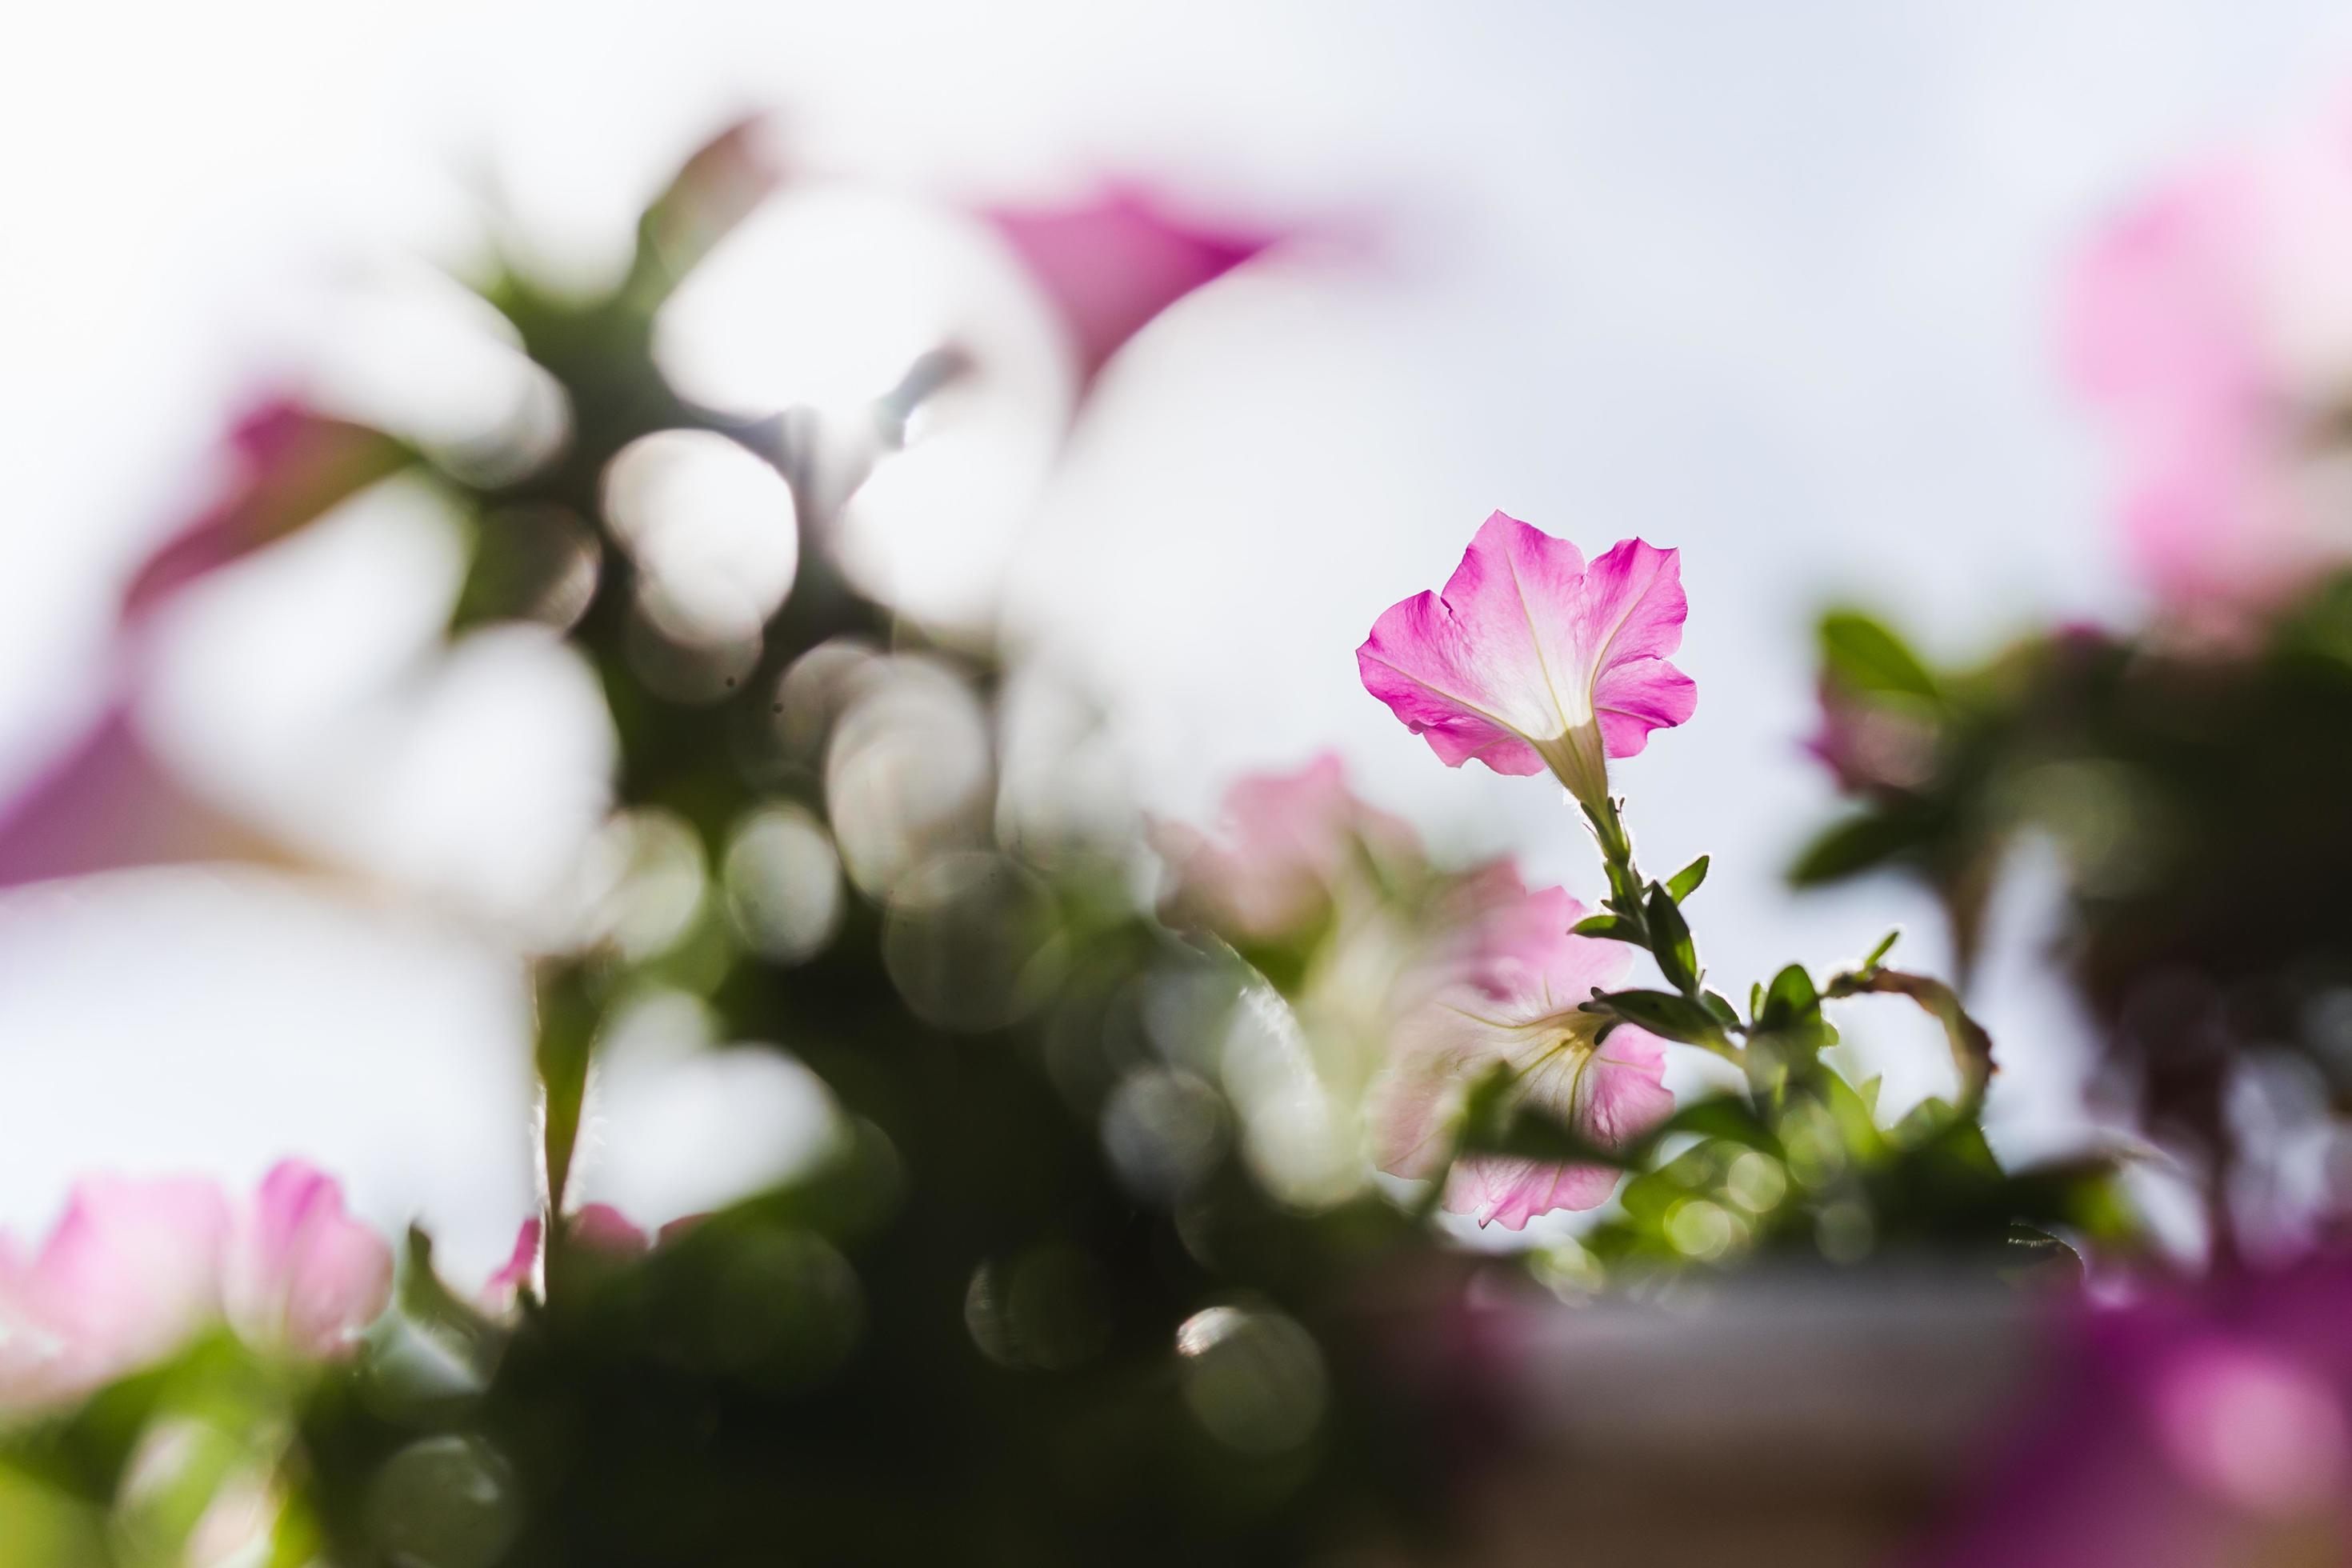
column 130, row 1271
column 2182, row 1432
column 2212, row 324
column 108, row 802
column 289, row 465
column 1285, row 843
column 1504, row 991
column 1113, row 263
column 303, row 1277
column 1529, row 658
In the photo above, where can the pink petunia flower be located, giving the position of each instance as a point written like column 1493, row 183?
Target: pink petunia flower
column 1529, row 658
column 303, row 1277
column 130, row 1271
column 1285, row 843
column 1504, row 991
column 1112, row 265
column 2211, row 325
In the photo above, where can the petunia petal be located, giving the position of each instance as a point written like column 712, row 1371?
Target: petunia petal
column 303, row 1277
column 1531, row 659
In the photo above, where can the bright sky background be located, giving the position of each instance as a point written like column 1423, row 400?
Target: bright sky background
column 1771, row 284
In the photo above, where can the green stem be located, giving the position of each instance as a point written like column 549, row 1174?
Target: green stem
column 568, row 1015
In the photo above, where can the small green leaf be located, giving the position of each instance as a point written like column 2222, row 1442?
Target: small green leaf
column 1684, row 882
column 1790, row 1001
column 1615, row 928
column 1868, row 1089
column 1660, row 1012
column 1863, row 655
column 1725, row 1013
column 1756, row 999
column 1885, row 945
column 1670, row 940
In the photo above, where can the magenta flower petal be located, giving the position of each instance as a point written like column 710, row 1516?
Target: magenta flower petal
column 1112, row 265
column 1529, row 658
column 500, row 1291
column 304, row 1277
column 1506, row 993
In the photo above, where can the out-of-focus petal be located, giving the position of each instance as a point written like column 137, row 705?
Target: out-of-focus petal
column 291, row 465
column 601, row 1227
column 1504, row 994
column 1284, row 843
column 303, row 1276
column 1529, row 658
column 503, row 1288
column 1111, row 265
column 130, row 1271
column 108, row 804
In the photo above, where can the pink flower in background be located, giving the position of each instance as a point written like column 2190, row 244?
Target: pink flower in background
column 135, row 1269
column 131, row 1270
column 1285, row 843
column 288, row 465
column 304, row 1277
column 2182, row 1432
column 1505, row 990
column 1112, row 265
column 1529, row 658
column 108, row 804
column 2212, row 324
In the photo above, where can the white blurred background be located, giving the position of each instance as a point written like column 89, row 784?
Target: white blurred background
column 1771, row 284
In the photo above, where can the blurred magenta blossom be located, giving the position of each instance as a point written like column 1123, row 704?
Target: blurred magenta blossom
column 106, row 801
column 2212, row 324
column 1285, row 845
column 1114, row 263
column 135, row 1269
column 1504, row 991
column 1529, row 658
column 2181, row 1432
column 288, row 465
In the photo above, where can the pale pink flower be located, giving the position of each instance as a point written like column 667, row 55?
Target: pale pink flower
column 303, row 1277
column 1530, row 658
column 1504, row 991
column 1285, row 843
column 130, row 1271
column 1113, row 263
column 2211, row 323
